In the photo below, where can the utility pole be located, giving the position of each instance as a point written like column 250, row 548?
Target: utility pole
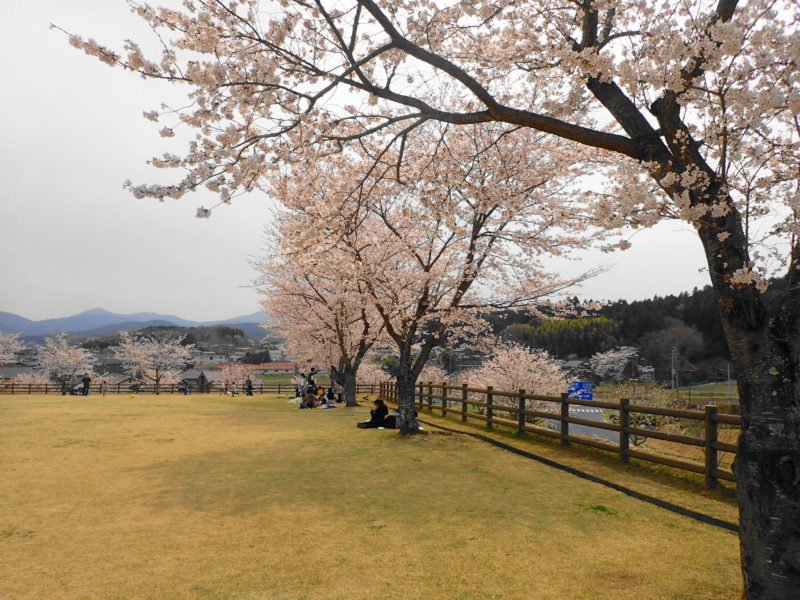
column 674, row 361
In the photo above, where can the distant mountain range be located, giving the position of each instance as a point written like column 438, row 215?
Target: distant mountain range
column 98, row 321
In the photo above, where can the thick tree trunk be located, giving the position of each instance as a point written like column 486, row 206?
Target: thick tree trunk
column 345, row 376
column 768, row 472
column 349, row 386
column 406, row 384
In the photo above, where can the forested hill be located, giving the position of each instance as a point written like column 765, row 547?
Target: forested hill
column 214, row 335
column 688, row 322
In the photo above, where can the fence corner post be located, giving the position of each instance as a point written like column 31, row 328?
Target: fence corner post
column 624, row 425
column 521, row 412
column 463, row 402
column 711, row 458
column 564, row 420
column 444, row 398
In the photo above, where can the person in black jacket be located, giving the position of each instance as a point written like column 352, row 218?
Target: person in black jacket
column 85, row 383
column 378, row 416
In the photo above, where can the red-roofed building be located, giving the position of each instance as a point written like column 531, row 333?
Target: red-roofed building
column 277, row 368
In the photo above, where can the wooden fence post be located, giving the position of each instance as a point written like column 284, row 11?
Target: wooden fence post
column 444, row 398
column 564, row 421
column 29, row 388
column 489, row 406
column 710, row 446
column 463, row 402
column 624, row 424
column 521, row 412
column 430, row 396
column 420, row 393
column 12, row 387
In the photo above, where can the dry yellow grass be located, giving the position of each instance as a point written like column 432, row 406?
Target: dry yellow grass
column 212, row 497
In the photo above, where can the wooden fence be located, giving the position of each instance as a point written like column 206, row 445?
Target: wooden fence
column 516, row 413
column 127, row 388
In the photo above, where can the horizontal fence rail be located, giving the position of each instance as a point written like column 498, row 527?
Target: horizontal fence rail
column 514, row 410
column 176, row 388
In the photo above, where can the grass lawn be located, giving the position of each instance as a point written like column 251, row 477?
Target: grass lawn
column 246, row 498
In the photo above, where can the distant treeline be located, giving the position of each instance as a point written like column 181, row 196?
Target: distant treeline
column 687, row 322
column 213, row 335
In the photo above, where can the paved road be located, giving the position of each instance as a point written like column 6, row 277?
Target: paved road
column 588, row 414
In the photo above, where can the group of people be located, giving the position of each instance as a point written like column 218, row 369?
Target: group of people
column 86, row 382
column 232, row 389
column 312, row 396
column 309, row 395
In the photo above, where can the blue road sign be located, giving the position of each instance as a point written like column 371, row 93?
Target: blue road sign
column 580, row 390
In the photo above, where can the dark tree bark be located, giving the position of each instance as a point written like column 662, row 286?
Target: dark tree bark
column 406, row 384
column 345, row 375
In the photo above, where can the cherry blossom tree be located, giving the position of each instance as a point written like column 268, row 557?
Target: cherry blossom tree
column 62, row 360
column 37, row 379
column 370, row 372
column 235, row 372
column 433, row 373
column 326, row 313
column 516, row 367
column 9, row 346
column 691, row 106
column 614, row 365
column 156, row 358
column 455, row 231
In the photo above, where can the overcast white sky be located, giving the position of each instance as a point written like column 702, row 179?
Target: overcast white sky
column 73, row 239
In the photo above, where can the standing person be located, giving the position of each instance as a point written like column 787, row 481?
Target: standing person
column 104, row 388
column 248, row 387
column 303, row 384
column 86, row 381
column 339, row 391
column 311, row 374
column 234, row 389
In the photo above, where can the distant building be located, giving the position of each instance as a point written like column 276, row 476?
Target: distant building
column 119, row 382
column 276, row 368
column 9, row 372
column 209, row 357
column 108, row 363
column 196, row 379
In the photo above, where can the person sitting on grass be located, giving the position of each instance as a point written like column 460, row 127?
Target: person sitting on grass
column 309, row 400
column 377, row 416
